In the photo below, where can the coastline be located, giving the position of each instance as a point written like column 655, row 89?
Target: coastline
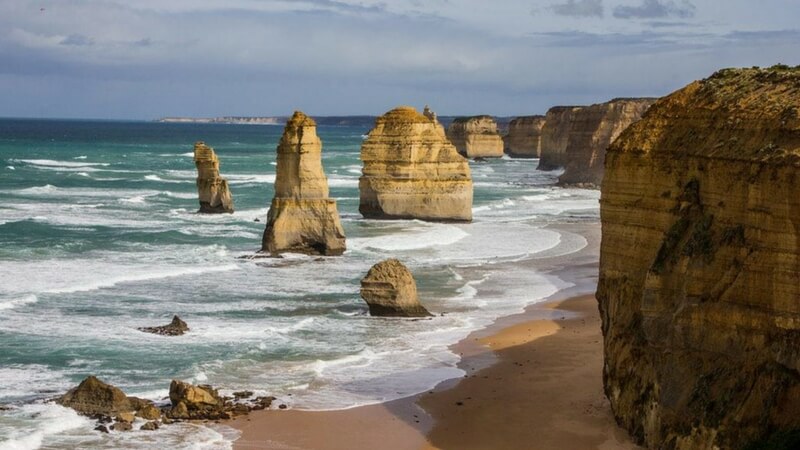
column 559, row 336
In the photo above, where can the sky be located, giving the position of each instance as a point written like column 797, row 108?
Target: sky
column 145, row 59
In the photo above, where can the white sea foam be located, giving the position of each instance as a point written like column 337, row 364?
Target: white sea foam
column 152, row 177
column 15, row 302
column 52, row 163
column 51, row 420
column 342, row 182
column 10, row 168
column 414, row 239
column 80, row 157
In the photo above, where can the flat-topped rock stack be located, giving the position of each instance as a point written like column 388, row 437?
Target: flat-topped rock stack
column 524, row 137
column 555, row 137
column 302, row 217
column 212, row 189
column 476, row 137
column 700, row 262
column 593, row 129
column 411, row 171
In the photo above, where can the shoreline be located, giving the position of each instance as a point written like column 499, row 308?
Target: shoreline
column 434, row 418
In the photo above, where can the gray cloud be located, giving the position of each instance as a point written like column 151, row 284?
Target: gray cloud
column 652, row 9
column 579, row 8
column 78, row 40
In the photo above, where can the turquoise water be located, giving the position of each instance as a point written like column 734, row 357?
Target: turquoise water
column 99, row 235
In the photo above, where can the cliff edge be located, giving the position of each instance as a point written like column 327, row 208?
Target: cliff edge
column 700, row 262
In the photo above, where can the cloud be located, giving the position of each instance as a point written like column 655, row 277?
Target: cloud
column 579, row 8
column 77, row 40
column 652, row 9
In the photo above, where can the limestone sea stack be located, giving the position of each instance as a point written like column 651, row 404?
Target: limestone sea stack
column 302, row 217
column 592, row 130
column 524, row 137
column 215, row 196
column 390, row 291
column 411, row 171
column 555, row 137
column 476, row 137
column 700, row 262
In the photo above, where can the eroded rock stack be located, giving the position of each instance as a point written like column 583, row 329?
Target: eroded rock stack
column 212, row 189
column 476, row 137
column 592, row 130
column 302, row 217
column 524, row 137
column 700, row 262
column 555, row 137
column 411, row 171
column 390, row 291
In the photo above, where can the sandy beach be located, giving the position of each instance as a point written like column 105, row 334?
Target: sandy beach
column 533, row 381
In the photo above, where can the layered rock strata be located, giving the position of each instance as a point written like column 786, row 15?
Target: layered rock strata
column 390, row 291
column 476, row 137
column 524, row 137
column 592, row 130
column 700, row 262
column 555, row 137
column 212, row 189
column 411, row 171
column 302, row 217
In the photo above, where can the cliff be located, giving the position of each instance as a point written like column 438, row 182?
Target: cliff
column 524, row 136
column 592, row 130
column 212, row 189
column 411, row 171
column 555, row 137
column 700, row 262
column 302, row 218
column 476, row 137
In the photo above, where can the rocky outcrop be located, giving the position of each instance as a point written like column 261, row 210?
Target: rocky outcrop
column 195, row 402
column 555, row 137
column 390, row 291
column 524, row 137
column 215, row 197
column 92, row 396
column 700, row 262
column 302, row 217
column 592, row 130
column 411, row 171
column 476, row 137
column 175, row 328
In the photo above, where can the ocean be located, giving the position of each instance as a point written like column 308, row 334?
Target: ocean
column 99, row 235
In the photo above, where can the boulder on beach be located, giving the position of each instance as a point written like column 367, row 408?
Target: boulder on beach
column 175, row 328
column 212, row 189
column 92, row 396
column 302, row 217
column 390, row 291
column 190, row 402
column 411, row 170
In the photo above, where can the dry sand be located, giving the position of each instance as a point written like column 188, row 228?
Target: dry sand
column 542, row 390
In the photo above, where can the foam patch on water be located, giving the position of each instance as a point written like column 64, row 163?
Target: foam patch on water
column 52, row 163
column 15, row 302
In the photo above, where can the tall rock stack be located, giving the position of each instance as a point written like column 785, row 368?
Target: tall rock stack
column 212, row 189
column 476, row 137
column 700, row 262
column 593, row 129
column 524, row 137
column 411, row 171
column 302, row 217
column 555, row 137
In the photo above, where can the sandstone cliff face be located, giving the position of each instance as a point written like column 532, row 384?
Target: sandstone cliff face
column 215, row 197
column 411, row 171
column 592, row 130
column 555, row 137
column 302, row 218
column 476, row 137
column 390, row 290
column 524, row 137
column 700, row 262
